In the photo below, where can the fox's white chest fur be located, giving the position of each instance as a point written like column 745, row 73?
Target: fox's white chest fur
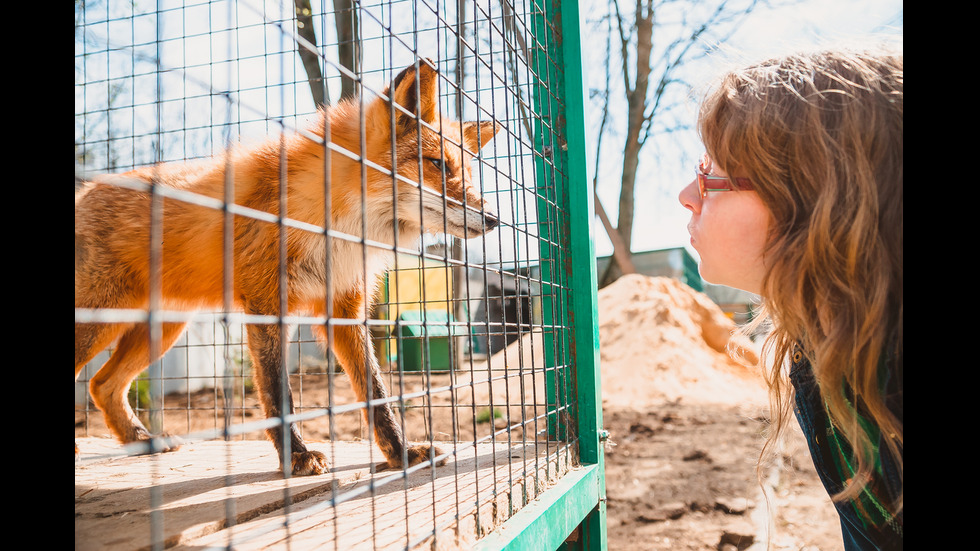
column 361, row 250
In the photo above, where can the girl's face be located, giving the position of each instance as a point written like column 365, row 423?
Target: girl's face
column 730, row 230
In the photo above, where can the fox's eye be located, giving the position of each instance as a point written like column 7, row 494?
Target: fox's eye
column 436, row 162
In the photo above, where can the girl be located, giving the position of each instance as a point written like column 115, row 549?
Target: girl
column 799, row 199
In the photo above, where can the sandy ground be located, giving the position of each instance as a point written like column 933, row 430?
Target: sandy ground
column 687, row 425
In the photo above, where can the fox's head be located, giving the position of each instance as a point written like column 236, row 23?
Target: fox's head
column 444, row 199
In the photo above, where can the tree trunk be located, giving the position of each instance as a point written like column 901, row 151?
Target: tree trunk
column 348, row 44
column 308, row 54
column 636, row 97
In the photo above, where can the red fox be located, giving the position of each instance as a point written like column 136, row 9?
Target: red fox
column 432, row 192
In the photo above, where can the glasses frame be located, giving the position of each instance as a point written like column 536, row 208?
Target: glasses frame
column 708, row 182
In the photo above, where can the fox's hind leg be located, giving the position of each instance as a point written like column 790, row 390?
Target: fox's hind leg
column 92, row 338
column 265, row 346
column 353, row 349
column 110, row 385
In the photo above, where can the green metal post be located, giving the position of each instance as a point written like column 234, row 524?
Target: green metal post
column 571, row 514
column 566, row 214
column 584, row 314
column 552, row 225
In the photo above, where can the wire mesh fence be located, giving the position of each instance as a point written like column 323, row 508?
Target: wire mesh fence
column 340, row 227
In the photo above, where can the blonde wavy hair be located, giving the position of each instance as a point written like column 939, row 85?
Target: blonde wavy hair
column 820, row 136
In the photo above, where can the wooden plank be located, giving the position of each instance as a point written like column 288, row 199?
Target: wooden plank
column 184, row 499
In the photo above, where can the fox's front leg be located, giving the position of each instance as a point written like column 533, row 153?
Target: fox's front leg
column 351, row 346
column 265, row 346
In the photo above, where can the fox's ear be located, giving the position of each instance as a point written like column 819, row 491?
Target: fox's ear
column 478, row 134
column 416, row 95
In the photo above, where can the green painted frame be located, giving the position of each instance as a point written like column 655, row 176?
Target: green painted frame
column 571, row 514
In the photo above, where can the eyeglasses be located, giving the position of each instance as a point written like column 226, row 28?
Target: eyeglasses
column 707, row 182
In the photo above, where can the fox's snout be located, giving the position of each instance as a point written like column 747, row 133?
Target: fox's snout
column 476, row 225
column 490, row 221
column 439, row 215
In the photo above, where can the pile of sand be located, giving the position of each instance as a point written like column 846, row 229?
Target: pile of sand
column 659, row 341
column 662, row 341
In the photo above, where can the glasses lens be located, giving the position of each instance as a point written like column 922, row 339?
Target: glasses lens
column 707, row 182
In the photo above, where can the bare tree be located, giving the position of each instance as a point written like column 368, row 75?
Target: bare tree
column 348, row 44
column 620, row 251
column 348, row 48
column 307, row 50
column 652, row 52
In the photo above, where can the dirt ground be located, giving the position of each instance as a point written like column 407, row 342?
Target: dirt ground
column 684, row 477
column 687, row 428
column 687, row 425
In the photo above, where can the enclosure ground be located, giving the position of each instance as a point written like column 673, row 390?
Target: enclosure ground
column 185, row 498
column 679, row 477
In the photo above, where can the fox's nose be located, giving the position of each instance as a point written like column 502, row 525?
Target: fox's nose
column 490, row 221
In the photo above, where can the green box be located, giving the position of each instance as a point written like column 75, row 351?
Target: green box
column 423, row 340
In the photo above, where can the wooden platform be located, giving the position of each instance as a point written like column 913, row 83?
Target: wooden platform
column 183, row 500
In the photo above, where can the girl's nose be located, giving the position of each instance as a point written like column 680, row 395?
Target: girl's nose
column 690, row 197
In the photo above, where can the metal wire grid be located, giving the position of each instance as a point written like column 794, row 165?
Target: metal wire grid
column 183, row 82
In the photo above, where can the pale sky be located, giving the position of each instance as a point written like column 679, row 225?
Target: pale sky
column 660, row 220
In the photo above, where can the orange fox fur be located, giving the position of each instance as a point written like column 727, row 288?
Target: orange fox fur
column 112, row 244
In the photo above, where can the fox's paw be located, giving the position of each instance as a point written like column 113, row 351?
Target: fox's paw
column 161, row 443
column 309, row 463
column 419, row 453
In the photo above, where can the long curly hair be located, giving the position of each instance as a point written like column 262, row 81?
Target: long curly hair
column 820, row 136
